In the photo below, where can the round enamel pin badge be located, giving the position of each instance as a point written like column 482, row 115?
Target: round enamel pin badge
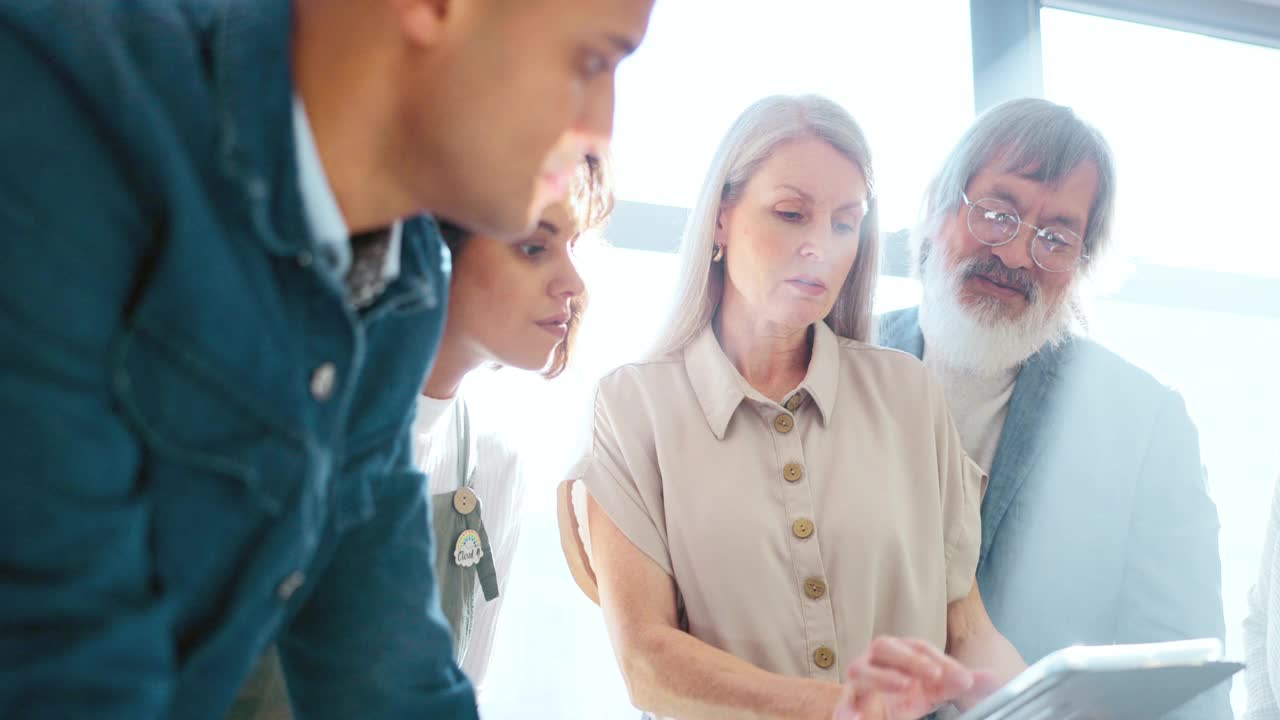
column 467, row 551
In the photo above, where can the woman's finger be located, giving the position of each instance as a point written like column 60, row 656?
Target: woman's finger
column 861, row 705
column 984, row 683
column 948, row 663
column 846, row 712
column 845, row 709
column 956, row 678
column 900, row 655
column 865, row 678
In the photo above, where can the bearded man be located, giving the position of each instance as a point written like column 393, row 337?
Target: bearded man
column 1097, row 527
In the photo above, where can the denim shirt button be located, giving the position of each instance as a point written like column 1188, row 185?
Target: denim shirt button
column 290, row 585
column 323, row 380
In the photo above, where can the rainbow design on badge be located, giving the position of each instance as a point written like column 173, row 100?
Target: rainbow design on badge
column 467, row 551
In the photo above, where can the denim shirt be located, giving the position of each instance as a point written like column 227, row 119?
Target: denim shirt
column 205, row 448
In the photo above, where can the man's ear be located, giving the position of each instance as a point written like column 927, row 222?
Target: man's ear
column 422, row 21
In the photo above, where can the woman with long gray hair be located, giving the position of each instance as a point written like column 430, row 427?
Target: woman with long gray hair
column 770, row 496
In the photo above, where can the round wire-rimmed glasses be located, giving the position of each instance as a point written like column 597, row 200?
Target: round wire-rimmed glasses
column 994, row 222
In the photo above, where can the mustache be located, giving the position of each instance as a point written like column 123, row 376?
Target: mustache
column 991, row 268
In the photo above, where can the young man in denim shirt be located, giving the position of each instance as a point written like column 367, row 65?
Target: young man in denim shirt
column 218, row 299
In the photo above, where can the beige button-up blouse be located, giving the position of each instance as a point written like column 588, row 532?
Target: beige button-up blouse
column 795, row 532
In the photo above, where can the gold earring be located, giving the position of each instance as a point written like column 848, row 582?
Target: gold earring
column 718, row 254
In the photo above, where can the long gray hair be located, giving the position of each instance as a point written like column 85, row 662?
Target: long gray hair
column 1024, row 135
column 757, row 133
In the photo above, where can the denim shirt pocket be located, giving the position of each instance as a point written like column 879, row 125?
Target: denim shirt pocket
column 192, row 416
column 353, row 496
column 235, row 498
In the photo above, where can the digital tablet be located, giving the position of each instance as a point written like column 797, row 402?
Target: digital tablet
column 1109, row 682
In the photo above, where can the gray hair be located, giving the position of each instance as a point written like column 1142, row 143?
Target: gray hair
column 760, row 130
column 1026, row 135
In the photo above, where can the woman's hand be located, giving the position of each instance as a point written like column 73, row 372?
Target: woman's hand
column 903, row 679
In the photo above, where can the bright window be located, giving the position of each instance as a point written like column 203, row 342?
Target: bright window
column 903, row 69
column 1193, row 122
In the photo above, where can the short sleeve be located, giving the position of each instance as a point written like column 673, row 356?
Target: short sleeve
column 961, row 483
column 620, row 470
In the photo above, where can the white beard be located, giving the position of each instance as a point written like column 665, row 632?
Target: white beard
column 981, row 339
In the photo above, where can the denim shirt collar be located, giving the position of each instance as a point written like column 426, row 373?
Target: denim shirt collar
column 252, row 71
column 900, row 330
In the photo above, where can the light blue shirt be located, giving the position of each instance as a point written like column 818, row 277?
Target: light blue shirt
column 331, row 236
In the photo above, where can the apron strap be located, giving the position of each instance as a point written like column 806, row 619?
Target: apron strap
column 485, row 569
